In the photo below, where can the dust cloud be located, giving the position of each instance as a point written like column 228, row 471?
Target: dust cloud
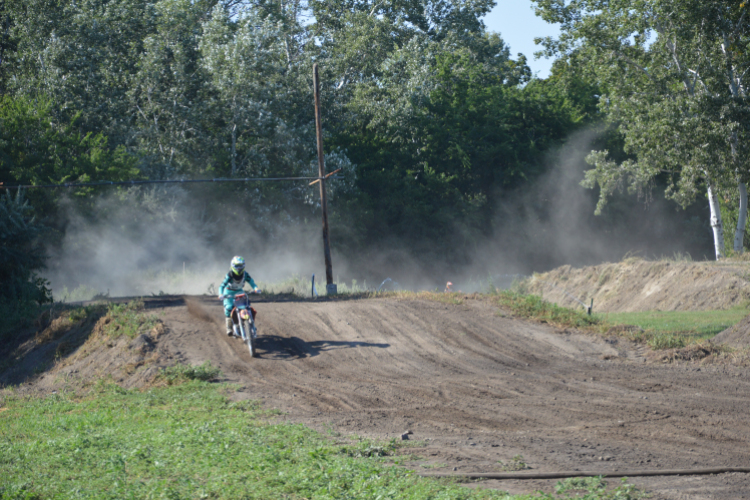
column 166, row 240
column 169, row 240
column 549, row 224
column 553, row 223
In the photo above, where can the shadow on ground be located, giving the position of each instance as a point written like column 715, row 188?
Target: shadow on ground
column 276, row 347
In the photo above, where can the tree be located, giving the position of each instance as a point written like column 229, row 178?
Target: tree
column 673, row 73
column 245, row 62
column 441, row 132
column 83, row 55
column 21, row 255
column 36, row 149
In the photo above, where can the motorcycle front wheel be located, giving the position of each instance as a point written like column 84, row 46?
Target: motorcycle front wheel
column 249, row 337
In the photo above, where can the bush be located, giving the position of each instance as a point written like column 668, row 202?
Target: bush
column 21, row 254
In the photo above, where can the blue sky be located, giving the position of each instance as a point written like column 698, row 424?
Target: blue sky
column 518, row 25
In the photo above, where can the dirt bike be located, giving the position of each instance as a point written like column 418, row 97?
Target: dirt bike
column 243, row 321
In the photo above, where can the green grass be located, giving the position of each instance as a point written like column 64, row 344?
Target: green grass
column 677, row 329
column 191, row 441
column 690, row 324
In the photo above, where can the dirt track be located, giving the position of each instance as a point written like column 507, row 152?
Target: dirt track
column 476, row 387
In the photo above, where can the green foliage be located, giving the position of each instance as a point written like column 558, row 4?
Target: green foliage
column 672, row 79
column 595, row 488
column 423, row 110
column 37, row 149
column 21, row 256
column 369, row 449
column 190, row 441
column 178, row 374
column 86, row 312
column 440, row 133
column 431, row 120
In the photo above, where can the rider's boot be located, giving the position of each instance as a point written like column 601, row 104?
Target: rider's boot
column 230, row 330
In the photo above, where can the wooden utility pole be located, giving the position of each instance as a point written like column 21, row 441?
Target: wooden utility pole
column 330, row 287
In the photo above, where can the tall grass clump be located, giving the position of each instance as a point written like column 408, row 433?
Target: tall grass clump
column 534, row 307
column 128, row 319
column 661, row 341
column 183, row 373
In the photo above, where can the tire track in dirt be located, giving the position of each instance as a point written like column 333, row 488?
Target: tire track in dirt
column 477, row 388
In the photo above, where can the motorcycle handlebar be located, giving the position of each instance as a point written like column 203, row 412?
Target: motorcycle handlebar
column 222, row 297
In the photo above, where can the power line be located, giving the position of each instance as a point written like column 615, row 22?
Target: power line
column 184, row 181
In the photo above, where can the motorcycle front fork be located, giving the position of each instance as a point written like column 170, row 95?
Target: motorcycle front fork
column 238, row 331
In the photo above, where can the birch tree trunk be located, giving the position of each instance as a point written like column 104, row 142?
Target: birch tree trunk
column 739, row 233
column 234, row 149
column 713, row 203
column 736, row 89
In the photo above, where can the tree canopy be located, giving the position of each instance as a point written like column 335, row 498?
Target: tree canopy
column 672, row 74
column 434, row 124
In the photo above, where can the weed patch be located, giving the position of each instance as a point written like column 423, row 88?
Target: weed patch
column 514, row 464
column 83, row 313
column 595, row 488
column 369, row 449
column 666, row 341
column 127, row 319
column 180, row 374
column 534, row 307
column 699, row 351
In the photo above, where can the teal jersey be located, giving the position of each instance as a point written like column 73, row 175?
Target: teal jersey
column 233, row 285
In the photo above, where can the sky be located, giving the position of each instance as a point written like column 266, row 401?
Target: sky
column 518, row 25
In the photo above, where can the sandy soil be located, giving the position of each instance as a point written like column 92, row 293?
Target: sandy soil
column 474, row 386
column 640, row 285
column 736, row 336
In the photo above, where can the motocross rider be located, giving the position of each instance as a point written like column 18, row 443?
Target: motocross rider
column 233, row 283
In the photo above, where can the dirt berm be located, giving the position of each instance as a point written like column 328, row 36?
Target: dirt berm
column 640, row 285
column 475, row 387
